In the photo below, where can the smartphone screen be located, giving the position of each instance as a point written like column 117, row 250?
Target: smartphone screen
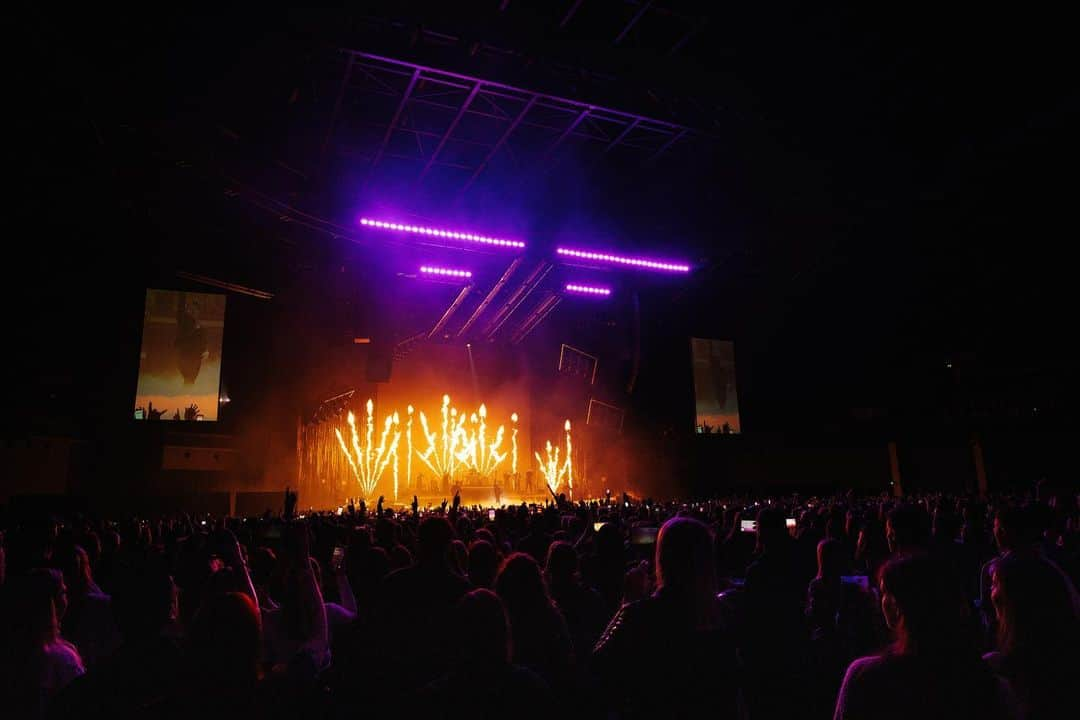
column 643, row 535
column 791, row 523
column 861, row 580
column 491, row 514
column 748, row 525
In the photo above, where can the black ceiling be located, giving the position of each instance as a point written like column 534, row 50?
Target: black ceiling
column 867, row 190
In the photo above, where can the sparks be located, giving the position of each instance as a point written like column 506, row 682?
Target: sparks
column 464, row 444
column 408, row 449
column 569, row 463
column 370, row 463
column 513, row 440
column 553, row 471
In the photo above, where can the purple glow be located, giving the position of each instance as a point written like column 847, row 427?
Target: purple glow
column 444, row 272
column 588, row 289
column 635, row 262
column 439, row 232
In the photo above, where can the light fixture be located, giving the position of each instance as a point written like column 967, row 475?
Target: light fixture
column 640, row 263
column 442, row 233
column 444, row 272
column 587, row 289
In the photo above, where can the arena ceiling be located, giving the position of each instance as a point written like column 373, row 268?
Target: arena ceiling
column 887, row 189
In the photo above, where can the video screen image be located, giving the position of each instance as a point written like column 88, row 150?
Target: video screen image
column 180, row 358
column 715, row 398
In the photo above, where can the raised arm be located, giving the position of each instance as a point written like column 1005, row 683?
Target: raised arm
column 345, row 591
column 230, row 549
column 310, row 613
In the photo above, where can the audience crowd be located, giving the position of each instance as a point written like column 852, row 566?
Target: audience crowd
column 928, row 606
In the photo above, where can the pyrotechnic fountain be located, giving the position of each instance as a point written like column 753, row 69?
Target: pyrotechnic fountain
column 461, row 449
column 368, row 463
column 462, row 444
column 554, row 471
column 513, row 440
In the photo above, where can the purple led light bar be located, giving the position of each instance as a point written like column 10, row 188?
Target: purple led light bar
column 634, row 262
column 588, row 289
column 439, row 232
column 444, row 272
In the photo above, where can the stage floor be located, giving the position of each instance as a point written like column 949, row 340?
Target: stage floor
column 484, row 496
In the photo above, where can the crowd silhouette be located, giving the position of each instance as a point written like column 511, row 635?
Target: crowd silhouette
column 930, row 606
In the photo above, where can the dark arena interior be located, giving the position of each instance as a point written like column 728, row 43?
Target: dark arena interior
column 582, row 358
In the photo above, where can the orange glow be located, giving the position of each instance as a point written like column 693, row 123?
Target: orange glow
column 462, row 443
column 370, row 463
column 553, row 471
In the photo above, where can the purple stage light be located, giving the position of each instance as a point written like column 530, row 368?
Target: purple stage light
column 438, row 232
column 588, row 289
column 444, row 272
column 634, row 262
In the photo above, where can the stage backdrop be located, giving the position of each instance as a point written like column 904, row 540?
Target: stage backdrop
column 180, row 358
column 714, row 386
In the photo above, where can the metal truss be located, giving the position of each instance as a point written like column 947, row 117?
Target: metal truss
column 507, row 114
column 424, row 120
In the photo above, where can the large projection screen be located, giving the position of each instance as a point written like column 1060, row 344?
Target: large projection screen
column 180, row 357
column 716, row 401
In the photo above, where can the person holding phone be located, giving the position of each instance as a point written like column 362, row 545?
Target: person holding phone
column 772, row 634
column 298, row 627
column 933, row 669
column 668, row 655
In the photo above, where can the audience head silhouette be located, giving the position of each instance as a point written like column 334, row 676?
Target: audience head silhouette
column 481, row 622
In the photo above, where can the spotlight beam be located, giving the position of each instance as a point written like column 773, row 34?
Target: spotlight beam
column 538, row 315
column 490, row 297
column 225, row 285
column 450, row 311
column 518, row 297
